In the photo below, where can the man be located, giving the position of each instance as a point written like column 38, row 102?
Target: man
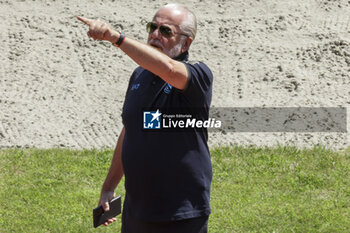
column 167, row 174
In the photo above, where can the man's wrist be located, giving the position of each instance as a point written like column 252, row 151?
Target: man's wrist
column 115, row 36
column 120, row 40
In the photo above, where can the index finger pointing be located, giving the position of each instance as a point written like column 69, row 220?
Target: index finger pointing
column 85, row 20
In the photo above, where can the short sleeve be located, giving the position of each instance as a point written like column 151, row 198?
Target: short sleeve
column 200, row 81
column 134, row 76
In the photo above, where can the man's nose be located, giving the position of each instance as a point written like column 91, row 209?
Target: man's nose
column 156, row 34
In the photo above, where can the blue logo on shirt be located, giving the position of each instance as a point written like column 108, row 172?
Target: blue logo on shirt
column 167, row 88
column 151, row 120
column 135, row 86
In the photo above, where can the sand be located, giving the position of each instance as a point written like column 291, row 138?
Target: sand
column 61, row 89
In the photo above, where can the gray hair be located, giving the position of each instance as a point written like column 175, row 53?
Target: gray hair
column 189, row 25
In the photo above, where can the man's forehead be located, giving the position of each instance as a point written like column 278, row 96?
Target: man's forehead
column 170, row 16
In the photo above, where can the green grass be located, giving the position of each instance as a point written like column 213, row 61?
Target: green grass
column 280, row 189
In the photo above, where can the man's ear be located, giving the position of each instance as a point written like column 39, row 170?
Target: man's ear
column 187, row 44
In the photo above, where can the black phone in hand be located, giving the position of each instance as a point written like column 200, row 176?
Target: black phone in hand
column 100, row 216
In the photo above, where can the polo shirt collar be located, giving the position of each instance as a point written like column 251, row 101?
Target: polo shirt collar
column 182, row 57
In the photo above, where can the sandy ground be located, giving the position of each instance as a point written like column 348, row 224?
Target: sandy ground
column 61, row 89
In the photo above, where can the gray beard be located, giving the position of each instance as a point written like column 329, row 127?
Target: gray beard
column 176, row 50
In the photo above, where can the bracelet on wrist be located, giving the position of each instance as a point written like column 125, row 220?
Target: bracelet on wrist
column 120, row 40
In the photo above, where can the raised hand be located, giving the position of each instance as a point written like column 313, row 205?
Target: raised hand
column 99, row 30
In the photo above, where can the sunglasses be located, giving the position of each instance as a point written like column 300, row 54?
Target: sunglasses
column 164, row 30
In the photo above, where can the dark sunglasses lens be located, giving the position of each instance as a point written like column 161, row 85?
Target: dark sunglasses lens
column 151, row 27
column 166, row 31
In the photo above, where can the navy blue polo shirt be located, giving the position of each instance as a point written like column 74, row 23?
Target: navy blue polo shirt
column 167, row 174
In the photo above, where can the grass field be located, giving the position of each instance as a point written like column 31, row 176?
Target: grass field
column 280, row 189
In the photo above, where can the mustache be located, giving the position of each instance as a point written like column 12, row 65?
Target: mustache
column 155, row 42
